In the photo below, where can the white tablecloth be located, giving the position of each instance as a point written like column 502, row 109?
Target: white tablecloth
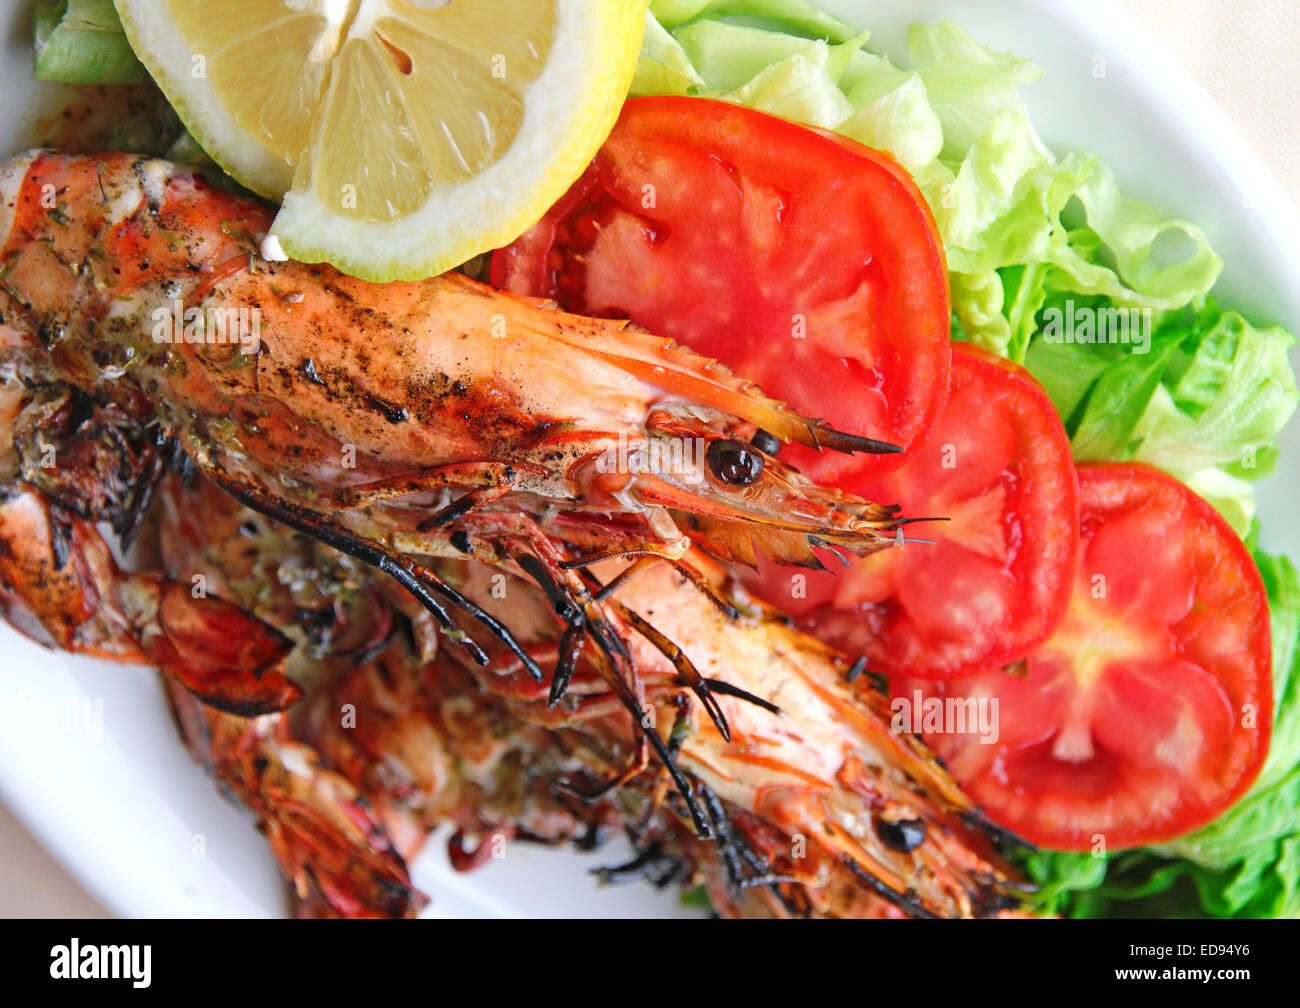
column 1245, row 52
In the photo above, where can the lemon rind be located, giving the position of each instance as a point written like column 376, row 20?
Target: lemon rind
column 567, row 117
column 166, row 54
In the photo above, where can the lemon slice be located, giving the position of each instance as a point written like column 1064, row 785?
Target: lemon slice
column 404, row 136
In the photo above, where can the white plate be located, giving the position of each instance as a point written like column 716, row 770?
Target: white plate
column 121, row 808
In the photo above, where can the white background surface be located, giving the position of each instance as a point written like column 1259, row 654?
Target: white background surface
column 1246, row 53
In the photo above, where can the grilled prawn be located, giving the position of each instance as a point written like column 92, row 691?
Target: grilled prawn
column 404, row 421
column 326, row 393
column 797, row 763
column 813, row 805
column 447, row 435
column 385, row 745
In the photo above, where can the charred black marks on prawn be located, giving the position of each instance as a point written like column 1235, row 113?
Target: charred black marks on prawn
column 879, row 681
column 686, row 669
column 453, row 512
column 900, row 522
column 309, row 372
column 687, row 673
column 391, row 412
column 565, row 608
column 977, row 818
column 907, row 902
column 615, row 656
column 646, row 555
column 830, row 548
column 849, row 444
column 334, row 537
column 571, row 612
column 609, row 648
column 60, row 534
column 728, row 611
column 618, row 581
column 108, row 466
column 681, row 729
column 571, row 644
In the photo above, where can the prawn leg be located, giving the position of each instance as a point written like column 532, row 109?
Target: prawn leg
column 418, row 580
column 490, row 476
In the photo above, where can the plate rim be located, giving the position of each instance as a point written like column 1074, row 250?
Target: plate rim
column 1158, row 73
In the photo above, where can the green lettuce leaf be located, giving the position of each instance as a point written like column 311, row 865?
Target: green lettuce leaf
column 978, row 302
column 900, row 120
column 968, row 83
column 1232, row 496
column 1001, row 200
column 1201, row 393
column 663, row 67
column 82, row 42
column 795, row 17
column 801, row 87
column 1133, row 234
column 728, row 56
column 1228, row 393
column 1100, row 388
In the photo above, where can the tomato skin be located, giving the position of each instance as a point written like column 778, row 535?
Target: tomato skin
column 801, row 260
column 1149, row 712
column 997, row 580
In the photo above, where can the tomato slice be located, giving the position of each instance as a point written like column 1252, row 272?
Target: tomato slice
column 1149, row 711
column 997, row 580
column 805, row 262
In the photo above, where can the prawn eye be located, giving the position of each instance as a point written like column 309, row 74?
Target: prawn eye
column 733, row 463
column 904, row 836
column 765, row 442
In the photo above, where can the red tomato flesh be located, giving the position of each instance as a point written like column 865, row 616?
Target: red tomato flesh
column 803, row 261
column 1149, row 710
column 996, row 582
